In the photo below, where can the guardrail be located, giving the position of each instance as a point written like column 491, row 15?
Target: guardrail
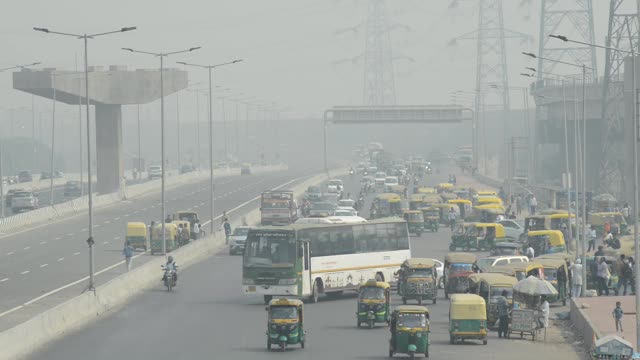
column 24, row 339
column 78, row 205
column 583, row 325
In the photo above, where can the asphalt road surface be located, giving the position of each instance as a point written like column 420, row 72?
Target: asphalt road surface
column 207, row 316
column 50, row 256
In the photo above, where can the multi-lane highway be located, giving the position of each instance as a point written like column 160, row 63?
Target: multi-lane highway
column 207, row 316
column 48, row 257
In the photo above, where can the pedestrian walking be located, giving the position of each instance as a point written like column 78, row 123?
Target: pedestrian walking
column 576, row 278
column 543, row 318
column 530, row 253
column 128, row 254
column 603, row 277
column 592, row 236
column 503, row 315
column 227, row 230
column 617, row 316
column 626, row 212
column 519, row 204
column 625, row 275
column 196, row 230
column 452, row 218
column 533, row 204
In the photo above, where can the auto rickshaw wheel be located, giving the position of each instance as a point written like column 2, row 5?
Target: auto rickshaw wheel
column 412, row 356
column 452, row 340
column 390, row 353
column 426, row 352
column 484, row 341
column 434, row 300
column 302, row 344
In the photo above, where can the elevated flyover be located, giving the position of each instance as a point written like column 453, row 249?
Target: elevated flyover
column 396, row 115
column 109, row 89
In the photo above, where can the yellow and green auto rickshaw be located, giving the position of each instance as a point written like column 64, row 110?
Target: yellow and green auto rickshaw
column 426, row 190
column 415, row 201
column 373, row 303
column 464, row 206
column 457, row 268
column 546, row 242
column 444, row 210
column 461, row 192
column 615, row 221
column 448, row 196
column 418, row 280
column 415, row 221
column 490, row 287
column 285, row 323
column 431, row 199
column 537, row 222
column 467, row 318
column 477, row 236
column 431, row 218
column 486, row 193
column 137, row 235
column 388, row 204
column 557, row 273
column 170, row 237
column 486, row 200
column 409, row 331
column 186, row 215
column 444, row 187
column 520, row 270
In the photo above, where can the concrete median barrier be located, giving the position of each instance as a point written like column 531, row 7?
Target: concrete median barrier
column 26, row 338
column 72, row 207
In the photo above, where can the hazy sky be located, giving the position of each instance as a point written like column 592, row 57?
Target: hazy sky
column 292, row 53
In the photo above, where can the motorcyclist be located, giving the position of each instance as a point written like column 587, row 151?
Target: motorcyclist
column 173, row 268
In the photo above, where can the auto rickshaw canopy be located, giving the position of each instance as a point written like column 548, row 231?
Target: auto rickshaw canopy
column 494, row 279
column 419, row 263
column 562, row 256
column 414, row 215
column 489, row 200
column 499, row 228
column 285, row 302
column 556, row 238
column 460, row 201
column 460, row 258
column 416, row 197
column 136, row 229
column 445, row 186
column 426, row 190
column 374, row 283
column 491, row 209
column 185, row 215
column 413, row 309
column 551, row 263
column 389, row 197
column 467, row 307
column 487, row 193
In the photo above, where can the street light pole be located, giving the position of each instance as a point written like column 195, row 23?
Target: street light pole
column 211, row 182
column 85, row 38
column 53, row 138
column 162, row 55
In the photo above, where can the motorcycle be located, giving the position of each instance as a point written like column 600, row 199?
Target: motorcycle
column 169, row 277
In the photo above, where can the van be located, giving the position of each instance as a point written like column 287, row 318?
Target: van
column 501, row 260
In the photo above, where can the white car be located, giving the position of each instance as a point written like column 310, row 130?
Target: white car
column 335, row 186
column 501, row 260
column 391, row 181
column 346, row 203
column 155, row 171
column 238, row 239
column 440, row 271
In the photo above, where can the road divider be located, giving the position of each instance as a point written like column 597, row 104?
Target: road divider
column 26, row 338
column 76, row 206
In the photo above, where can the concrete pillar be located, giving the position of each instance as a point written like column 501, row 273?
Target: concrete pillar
column 109, row 148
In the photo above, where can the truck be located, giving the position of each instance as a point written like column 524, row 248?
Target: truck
column 278, row 208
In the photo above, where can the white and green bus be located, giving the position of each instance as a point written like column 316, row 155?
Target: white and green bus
column 306, row 260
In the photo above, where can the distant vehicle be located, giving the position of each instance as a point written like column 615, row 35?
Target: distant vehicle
column 187, row 168
column 379, row 178
column 314, row 193
column 72, row 188
column 25, row 176
column 46, row 175
column 278, row 208
column 347, row 203
column 345, row 211
column 237, row 240
column 23, row 200
column 155, row 172
column 222, row 165
column 513, row 229
column 322, row 209
column 501, row 260
column 245, row 169
column 9, row 196
column 391, row 181
column 335, row 186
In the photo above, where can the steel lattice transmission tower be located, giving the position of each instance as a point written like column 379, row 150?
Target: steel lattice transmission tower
column 556, row 17
column 622, row 34
column 379, row 81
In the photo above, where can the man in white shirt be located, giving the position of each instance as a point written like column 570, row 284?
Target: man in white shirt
column 544, row 313
column 576, row 278
column 530, row 253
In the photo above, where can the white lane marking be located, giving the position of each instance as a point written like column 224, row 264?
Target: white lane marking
column 201, row 204
column 44, row 265
column 70, row 234
column 57, row 238
column 126, row 215
column 43, row 242
column 11, row 310
column 76, row 253
column 135, row 212
column 105, row 242
column 60, row 259
column 144, row 209
column 116, row 238
column 5, row 279
column 190, row 209
column 10, row 253
column 25, row 272
column 96, row 225
column 107, row 222
column 116, row 219
column 27, row 248
column 196, row 206
column 83, row 230
column 159, row 204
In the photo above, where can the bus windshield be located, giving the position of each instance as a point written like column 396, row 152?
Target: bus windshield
column 371, row 293
column 270, row 248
